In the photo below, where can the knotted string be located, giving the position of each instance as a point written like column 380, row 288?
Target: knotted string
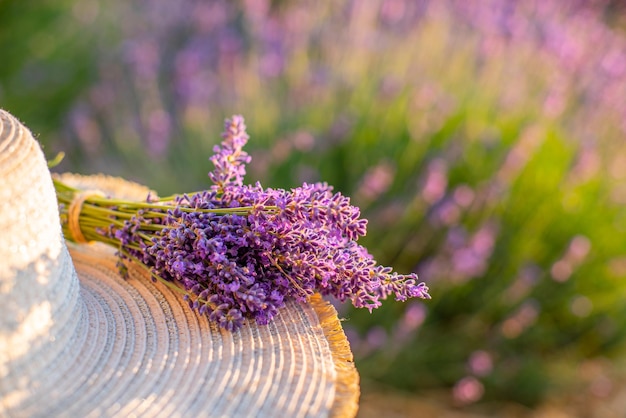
column 74, row 214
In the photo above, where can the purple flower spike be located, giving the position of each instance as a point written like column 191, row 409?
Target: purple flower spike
column 229, row 158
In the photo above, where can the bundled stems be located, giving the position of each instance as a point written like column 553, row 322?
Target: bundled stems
column 238, row 251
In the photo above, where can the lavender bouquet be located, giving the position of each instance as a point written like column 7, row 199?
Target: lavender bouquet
column 238, row 251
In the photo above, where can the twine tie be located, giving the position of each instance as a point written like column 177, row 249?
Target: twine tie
column 74, row 214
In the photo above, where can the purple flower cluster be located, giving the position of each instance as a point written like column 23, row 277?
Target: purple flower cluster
column 240, row 250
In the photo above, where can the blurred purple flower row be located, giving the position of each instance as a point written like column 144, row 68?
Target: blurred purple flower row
column 176, row 62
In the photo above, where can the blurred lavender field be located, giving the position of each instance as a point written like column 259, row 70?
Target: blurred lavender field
column 483, row 140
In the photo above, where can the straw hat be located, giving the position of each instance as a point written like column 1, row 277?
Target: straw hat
column 78, row 340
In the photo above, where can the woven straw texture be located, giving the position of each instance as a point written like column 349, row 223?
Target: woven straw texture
column 93, row 344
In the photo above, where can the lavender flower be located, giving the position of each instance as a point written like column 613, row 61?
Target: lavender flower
column 239, row 251
column 230, row 159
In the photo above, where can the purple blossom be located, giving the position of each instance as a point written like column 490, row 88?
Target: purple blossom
column 230, row 159
column 480, row 363
column 468, row 390
column 241, row 250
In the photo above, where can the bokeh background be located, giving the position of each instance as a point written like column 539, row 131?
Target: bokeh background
column 484, row 141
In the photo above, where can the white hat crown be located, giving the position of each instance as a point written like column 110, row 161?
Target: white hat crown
column 38, row 284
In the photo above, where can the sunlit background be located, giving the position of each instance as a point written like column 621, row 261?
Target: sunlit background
column 484, row 140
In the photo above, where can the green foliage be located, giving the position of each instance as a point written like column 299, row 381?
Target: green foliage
column 46, row 61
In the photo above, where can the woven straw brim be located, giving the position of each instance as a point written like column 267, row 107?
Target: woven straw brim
column 115, row 347
column 146, row 353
